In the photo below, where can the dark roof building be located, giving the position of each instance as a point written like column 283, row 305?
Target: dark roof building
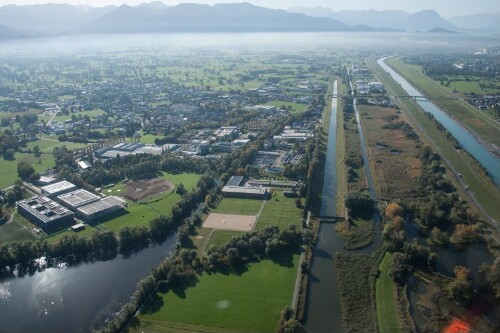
column 45, row 213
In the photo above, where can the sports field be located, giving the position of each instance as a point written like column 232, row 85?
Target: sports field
column 248, row 301
column 230, row 222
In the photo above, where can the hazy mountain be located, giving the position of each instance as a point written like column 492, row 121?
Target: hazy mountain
column 426, row 20
column 477, row 21
column 50, row 18
column 373, row 18
column 8, row 33
column 205, row 18
column 441, row 31
column 393, row 19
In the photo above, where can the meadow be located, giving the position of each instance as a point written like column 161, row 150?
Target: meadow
column 247, row 300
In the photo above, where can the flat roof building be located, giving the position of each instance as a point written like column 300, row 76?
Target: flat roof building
column 100, row 208
column 249, row 192
column 45, row 213
column 58, row 188
column 78, row 198
column 235, row 181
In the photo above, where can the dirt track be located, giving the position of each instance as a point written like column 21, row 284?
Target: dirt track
column 142, row 189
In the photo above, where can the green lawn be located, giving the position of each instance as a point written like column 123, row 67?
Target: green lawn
column 250, row 301
column 296, row 107
column 140, row 214
column 387, row 310
column 239, row 206
column 87, row 232
column 280, row 211
column 220, row 237
column 12, row 231
column 40, row 164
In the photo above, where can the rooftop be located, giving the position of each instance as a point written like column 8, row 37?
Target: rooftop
column 101, row 205
column 44, row 209
column 58, row 187
column 234, row 181
column 78, row 198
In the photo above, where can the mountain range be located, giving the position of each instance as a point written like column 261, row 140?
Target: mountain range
column 50, row 19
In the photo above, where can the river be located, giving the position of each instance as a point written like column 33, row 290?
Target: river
column 74, row 299
column 467, row 140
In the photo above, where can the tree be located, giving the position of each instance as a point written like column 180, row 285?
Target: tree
column 180, row 189
column 25, row 170
column 36, row 151
column 358, row 201
column 460, row 289
column 392, row 210
column 399, row 269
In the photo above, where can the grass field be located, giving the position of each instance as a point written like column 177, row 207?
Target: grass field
column 40, row 164
column 296, row 107
column 387, row 310
column 250, row 300
column 239, row 206
column 220, row 237
column 140, row 213
column 12, row 231
column 280, row 211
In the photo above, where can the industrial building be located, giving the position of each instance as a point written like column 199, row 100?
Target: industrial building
column 248, row 192
column 56, row 189
column 100, row 208
column 78, row 198
column 45, row 213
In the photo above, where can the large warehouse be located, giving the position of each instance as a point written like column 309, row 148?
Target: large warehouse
column 100, row 208
column 53, row 190
column 78, row 198
column 45, row 213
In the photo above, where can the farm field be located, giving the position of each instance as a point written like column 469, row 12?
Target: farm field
column 227, row 301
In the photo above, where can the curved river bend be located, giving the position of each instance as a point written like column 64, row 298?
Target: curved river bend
column 490, row 162
column 74, row 299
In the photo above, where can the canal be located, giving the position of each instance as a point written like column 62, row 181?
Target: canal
column 466, row 139
column 74, row 299
column 323, row 311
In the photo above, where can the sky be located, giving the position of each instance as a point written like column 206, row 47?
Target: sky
column 447, row 8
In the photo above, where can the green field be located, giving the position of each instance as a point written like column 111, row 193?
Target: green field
column 296, row 107
column 280, row 211
column 140, row 213
column 387, row 310
column 220, row 237
column 40, row 164
column 12, row 231
column 245, row 301
column 239, row 206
